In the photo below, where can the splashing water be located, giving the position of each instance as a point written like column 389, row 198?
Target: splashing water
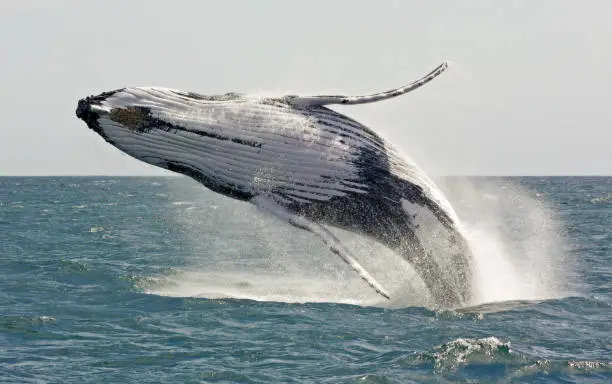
column 516, row 240
column 236, row 251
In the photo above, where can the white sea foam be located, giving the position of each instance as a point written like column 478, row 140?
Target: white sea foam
column 516, row 240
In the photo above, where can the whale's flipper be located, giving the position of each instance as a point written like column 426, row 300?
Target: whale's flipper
column 305, row 101
column 324, row 234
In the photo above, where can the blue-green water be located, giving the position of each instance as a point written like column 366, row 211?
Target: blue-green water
column 120, row 280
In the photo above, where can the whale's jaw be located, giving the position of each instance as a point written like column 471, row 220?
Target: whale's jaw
column 91, row 108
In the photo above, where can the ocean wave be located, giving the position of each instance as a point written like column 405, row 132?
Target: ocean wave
column 458, row 357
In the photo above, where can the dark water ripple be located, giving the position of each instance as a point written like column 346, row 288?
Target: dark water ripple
column 77, row 256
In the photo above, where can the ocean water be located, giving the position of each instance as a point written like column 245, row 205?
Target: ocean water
column 115, row 280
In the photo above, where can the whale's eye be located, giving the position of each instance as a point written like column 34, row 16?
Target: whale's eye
column 132, row 117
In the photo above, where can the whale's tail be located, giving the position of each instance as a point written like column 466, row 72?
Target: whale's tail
column 308, row 101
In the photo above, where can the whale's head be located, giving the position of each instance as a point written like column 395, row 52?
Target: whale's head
column 120, row 114
column 145, row 123
column 125, row 113
column 175, row 130
column 125, row 119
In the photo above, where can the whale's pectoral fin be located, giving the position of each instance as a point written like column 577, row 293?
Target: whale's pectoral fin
column 324, row 234
column 304, row 101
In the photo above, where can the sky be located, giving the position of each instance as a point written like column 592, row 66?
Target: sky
column 528, row 90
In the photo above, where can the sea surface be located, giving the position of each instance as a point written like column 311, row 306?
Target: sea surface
column 145, row 280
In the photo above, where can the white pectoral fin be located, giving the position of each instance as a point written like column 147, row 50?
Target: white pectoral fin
column 324, row 234
column 349, row 100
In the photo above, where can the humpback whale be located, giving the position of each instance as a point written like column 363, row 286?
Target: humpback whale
column 298, row 159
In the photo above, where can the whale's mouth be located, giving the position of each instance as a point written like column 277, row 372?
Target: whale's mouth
column 91, row 108
column 89, row 116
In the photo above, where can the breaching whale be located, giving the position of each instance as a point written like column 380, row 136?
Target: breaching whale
column 305, row 163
